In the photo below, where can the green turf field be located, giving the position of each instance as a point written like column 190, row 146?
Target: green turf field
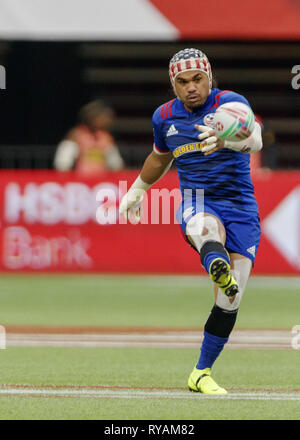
column 131, row 383
column 140, row 301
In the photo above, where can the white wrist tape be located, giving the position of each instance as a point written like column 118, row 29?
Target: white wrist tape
column 140, row 184
column 250, row 145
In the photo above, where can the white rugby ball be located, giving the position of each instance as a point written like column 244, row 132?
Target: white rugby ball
column 233, row 121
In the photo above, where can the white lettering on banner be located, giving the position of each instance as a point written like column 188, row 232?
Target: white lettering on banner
column 15, row 202
column 107, row 212
column 51, row 202
column 80, row 205
column 23, row 250
column 282, row 227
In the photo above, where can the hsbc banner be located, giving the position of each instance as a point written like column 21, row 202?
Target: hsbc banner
column 52, row 221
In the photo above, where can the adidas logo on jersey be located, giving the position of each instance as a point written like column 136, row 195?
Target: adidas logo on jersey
column 251, row 250
column 172, row 130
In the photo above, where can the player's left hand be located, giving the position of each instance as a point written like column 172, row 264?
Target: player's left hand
column 211, row 144
column 131, row 205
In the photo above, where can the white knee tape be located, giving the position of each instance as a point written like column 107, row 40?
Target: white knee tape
column 199, row 224
column 241, row 271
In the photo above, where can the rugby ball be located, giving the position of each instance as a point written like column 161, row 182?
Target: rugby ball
column 233, row 121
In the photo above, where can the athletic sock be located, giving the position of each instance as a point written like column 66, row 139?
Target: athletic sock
column 210, row 251
column 211, row 348
column 216, row 333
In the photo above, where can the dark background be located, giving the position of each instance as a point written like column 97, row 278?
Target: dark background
column 47, row 82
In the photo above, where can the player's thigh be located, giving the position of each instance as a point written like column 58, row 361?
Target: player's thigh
column 204, row 231
column 242, row 232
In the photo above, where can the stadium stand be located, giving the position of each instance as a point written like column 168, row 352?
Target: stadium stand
column 133, row 78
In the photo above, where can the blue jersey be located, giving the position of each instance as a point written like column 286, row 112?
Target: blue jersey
column 223, row 175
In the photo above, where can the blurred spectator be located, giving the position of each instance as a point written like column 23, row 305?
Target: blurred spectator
column 267, row 158
column 89, row 147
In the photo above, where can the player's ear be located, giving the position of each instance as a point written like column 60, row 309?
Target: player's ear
column 214, row 81
column 174, row 88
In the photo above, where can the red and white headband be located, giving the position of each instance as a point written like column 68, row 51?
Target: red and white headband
column 189, row 59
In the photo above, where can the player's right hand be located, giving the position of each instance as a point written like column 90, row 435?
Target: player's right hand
column 209, row 141
column 131, row 205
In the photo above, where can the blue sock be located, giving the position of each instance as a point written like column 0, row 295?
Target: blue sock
column 207, row 260
column 211, row 348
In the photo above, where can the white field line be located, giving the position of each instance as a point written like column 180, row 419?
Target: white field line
column 266, row 339
column 135, row 394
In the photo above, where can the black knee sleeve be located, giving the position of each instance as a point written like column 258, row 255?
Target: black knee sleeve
column 212, row 246
column 220, row 322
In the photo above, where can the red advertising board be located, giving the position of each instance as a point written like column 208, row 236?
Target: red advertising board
column 233, row 19
column 52, row 221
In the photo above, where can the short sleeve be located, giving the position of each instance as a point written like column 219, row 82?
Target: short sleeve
column 233, row 97
column 159, row 145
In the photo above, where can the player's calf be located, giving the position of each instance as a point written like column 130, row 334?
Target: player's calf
column 217, row 330
column 240, row 270
column 222, row 318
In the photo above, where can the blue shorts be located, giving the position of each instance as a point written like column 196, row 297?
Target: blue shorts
column 242, row 226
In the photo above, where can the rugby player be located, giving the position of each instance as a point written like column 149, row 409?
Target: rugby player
column 223, row 226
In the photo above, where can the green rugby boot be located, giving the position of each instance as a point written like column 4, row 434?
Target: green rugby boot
column 200, row 381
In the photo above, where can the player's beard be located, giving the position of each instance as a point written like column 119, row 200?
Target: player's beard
column 192, row 105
